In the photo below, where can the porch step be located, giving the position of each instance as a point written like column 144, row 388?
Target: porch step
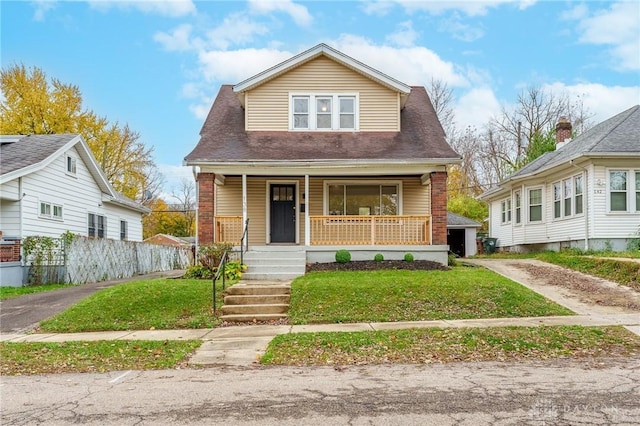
column 267, row 263
column 263, row 308
column 261, row 301
column 256, row 299
column 251, row 318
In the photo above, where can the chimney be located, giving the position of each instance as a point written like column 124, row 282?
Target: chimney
column 563, row 132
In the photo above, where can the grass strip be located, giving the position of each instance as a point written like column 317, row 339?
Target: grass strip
column 438, row 345
column 92, row 357
column 379, row 296
column 9, row 292
column 620, row 271
column 159, row 304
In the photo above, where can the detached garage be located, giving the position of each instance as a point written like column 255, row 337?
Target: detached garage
column 461, row 234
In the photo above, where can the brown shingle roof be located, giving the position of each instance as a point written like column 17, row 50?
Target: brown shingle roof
column 223, row 137
column 29, row 150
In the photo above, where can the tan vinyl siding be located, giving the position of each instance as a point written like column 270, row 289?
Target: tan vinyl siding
column 415, row 200
column 267, row 106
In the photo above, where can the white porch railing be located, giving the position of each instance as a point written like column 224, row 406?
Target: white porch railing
column 373, row 230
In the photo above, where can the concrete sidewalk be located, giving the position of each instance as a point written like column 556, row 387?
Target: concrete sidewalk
column 244, row 345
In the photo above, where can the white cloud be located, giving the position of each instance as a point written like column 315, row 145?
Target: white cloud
column 617, row 27
column 377, row 7
column 179, row 39
column 412, row 65
column 298, row 13
column 469, row 7
column 235, row 29
column 460, row 30
column 476, row 107
column 233, row 66
column 173, row 176
column 41, row 9
column 172, row 8
column 602, row 101
column 405, row 35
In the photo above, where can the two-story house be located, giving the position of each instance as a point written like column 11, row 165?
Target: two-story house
column 320, row 153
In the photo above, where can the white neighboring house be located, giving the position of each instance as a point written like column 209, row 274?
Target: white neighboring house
column 585, row 194
column 50, row 184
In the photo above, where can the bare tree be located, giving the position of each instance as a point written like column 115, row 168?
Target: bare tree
column 442, row 98
column 185, row 194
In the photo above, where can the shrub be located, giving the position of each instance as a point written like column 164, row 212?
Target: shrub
column 210, row 255
column 198, row 272
column 452, row 260
column 343, row 256
column 408, row 257
column 378, row 257
column 234, row 269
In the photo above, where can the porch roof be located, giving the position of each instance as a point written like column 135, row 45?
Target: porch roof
column 225, row 140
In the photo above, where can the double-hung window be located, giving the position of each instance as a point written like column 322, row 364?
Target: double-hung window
column 618, row 190
column 71, row 166
column 557, row 200
column 568, row 196
column 96, row 225
column 505, row 209
column 518, row 206
column 535, row 205
column 624, row 190
column 324, row 112
column 578, row 190
column 123, row 229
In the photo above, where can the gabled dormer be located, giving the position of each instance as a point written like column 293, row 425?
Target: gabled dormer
column 322, row 90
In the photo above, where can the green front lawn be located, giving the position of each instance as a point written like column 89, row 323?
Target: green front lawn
column 379, row 296
column 437, row 345
column 9, row 292
column 141, row 305
column 92, row 357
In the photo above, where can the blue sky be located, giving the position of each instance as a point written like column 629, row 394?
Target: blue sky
column 157, row 65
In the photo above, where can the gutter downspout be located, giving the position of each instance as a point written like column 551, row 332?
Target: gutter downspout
column 586, row 204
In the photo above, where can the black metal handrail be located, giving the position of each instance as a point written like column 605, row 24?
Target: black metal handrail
column 244, row 240
column 220, row 271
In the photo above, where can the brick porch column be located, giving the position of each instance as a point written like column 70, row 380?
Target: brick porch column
column 205, row 208
column 439, row 208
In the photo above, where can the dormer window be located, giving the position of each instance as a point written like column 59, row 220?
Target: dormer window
column 324, row 112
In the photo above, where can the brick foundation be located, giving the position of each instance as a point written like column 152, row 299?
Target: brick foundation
column 205, row 207
column 439, row 208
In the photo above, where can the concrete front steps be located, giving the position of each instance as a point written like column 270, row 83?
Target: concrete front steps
column 256, row 301
column 274, row 263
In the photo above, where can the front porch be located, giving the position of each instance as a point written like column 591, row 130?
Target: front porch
column 318, row 215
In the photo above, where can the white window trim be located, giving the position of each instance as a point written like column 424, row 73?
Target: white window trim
column 573, row 197
column 508, row 211
column 126, row 229
column 335, row 111
column 516, row 208
column 542, row 209
column 105, row 225
column 327, row 183
column 630, row 192
column 74, row 159
column 52, row 207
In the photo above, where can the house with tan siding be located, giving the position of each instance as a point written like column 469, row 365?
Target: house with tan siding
column 585, row 194
column 321, row 153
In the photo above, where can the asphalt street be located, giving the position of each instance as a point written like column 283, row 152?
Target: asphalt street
column 559, row 392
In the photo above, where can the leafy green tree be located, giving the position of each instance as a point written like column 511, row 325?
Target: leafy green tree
column 540, row 143
column 469, row 207
column 32, row 105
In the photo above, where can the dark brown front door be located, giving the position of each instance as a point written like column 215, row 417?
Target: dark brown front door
column 283, row 213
